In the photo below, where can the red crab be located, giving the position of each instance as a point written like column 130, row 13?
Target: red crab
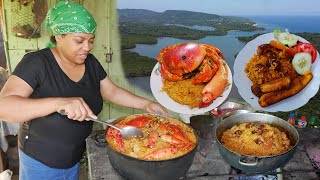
column 201, row 62
column 171, row 134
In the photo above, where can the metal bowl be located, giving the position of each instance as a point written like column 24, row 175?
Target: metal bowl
column 259, row 164
column 230, row 106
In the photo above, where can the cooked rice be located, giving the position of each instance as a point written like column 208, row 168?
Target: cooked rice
column 260, row 71
column 138, row 148
column 184, row 92
column 256, row 139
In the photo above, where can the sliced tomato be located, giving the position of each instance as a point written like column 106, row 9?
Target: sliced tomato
column 308, row 48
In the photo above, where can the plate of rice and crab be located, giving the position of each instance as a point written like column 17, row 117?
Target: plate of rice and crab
column 274, row 74
column 191, row 78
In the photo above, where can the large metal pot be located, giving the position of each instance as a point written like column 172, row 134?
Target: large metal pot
column 259, row 164
column 133, row 168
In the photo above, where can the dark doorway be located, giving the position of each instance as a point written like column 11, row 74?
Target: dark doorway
column 3, row 62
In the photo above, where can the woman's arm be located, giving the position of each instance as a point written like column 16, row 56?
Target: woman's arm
column 16, row 106
column 120, row 96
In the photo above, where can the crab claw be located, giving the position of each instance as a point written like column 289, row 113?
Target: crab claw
column 153, row 138
column 176, row 133
column 138, row 122
column 210, row 64
column 161, row 153
column 206, row 73
column 171, row 139
column 215, row 86
column 213, row 49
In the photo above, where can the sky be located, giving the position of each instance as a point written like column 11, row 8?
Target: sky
column 228, row 7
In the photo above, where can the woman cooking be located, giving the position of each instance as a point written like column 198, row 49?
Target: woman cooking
column 65, row 77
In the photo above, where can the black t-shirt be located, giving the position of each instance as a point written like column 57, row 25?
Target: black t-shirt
column 55, row 140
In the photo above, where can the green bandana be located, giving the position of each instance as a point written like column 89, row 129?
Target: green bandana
column 67, row 17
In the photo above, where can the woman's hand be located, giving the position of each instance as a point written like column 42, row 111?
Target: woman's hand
column 75, row 108
column 154, row 107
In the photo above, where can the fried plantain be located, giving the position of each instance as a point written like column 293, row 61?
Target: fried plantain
column 296, row 86
column 276, row 85
column 256, row 90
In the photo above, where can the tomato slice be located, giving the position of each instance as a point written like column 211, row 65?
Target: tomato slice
column 308, row 48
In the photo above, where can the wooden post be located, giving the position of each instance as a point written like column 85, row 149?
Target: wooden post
column 2, row 162
column 3, row 77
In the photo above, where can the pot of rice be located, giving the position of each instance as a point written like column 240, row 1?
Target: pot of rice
column 165, row 152
column 256, row 142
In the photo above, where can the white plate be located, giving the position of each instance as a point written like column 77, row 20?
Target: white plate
column 244, row 83
column 167, row 102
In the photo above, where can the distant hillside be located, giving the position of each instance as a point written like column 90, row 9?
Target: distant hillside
column 178, row 17
column 144, row 26
column 136, row 15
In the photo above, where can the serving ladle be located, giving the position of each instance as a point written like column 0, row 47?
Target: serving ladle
column 127, row 132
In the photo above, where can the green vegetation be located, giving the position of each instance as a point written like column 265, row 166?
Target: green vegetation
column 313, row 38
column 248, row 38
column 136, row 65
column 152, row 30
column 130, row 41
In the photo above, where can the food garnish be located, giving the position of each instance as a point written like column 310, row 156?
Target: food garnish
column 291, row 45
column 308, row 48
column 286, row 38
column 301, row 62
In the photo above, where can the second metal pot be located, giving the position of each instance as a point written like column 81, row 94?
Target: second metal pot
column 259, row 164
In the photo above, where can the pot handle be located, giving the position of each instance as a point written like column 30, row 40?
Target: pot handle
column 248, row 160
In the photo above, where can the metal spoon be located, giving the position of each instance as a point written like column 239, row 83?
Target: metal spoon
column 127, row 132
